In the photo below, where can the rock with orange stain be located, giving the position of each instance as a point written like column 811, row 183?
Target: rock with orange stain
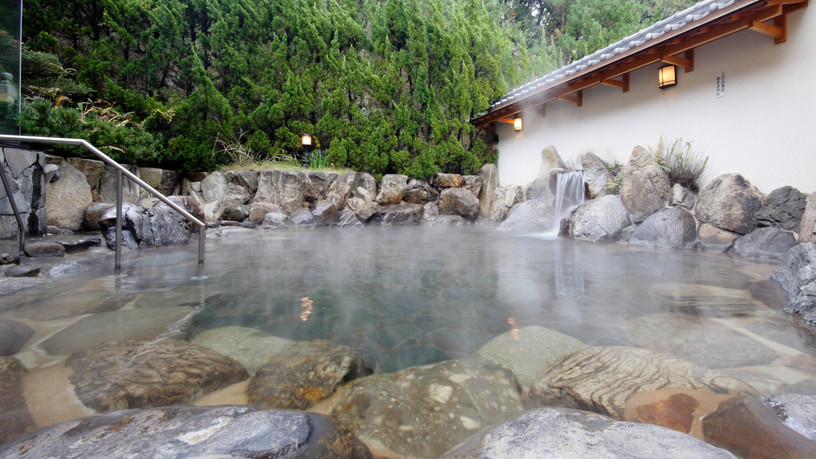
column 137, row 374
column 761, row 427
column 676, row 412
column 15, row 419
column 305, row 373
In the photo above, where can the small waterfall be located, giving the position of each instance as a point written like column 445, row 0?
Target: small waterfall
column 569, row 193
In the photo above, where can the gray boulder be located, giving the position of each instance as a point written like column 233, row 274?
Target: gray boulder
column 423, row 411
column 67, row 198
column 783, row 208
column 238, row 188
column 234, row 432
column 764, row 244
column 236, row 213
column 44, row 249
column 131, row 192
column 601, row 219
column 539, row 190
column 645, row 187
column 213, row 187
column 170, row 181
column 715, row 239
column 670, row 228
column 302, row 218
column 92, row 169
column 808, row 228
column 13, row 336
column 504, row 198
column 325, row 214
column 459, row 201
column 392, row 189
column 348, row 219
column 362, row 208
column 90, row 218
column 22, row 271
column 430, row 210
column 290, row 188
column 168, row 227
column 420, row 192
column 317, row 184
column 490, row 180
column 682, row 196
column 550, row 159
column 398, row 214
column 473, row 183
column 596, row 175
column 275, row 220
column 529, row 216
column 796, row 274
column 252, row 348
column 556, row 433
column 258, row 210
column 443, row 220
column 152, row 177
column 342, row 188
column 729, row 202
column 267, row 187
column 369, row 183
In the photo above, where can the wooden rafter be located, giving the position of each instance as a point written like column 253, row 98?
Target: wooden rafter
column 770, row 30
column 577, row 99
column 623, row 84
column 772, row 10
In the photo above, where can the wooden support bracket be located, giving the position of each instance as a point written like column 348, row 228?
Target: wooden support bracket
column 686, row 62
column 542, row 110
column 623, row 84
column 770, row 30
column 578, row 99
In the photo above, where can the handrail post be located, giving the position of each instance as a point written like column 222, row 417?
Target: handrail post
column 202, row 235
column 10, row 196
column 118, row 256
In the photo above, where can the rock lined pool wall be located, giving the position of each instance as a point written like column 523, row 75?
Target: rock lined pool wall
column 24, row 170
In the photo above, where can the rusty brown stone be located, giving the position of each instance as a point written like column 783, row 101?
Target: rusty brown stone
column 676, row 412
column 305, row 373
column 139, row 373
column 448, row 181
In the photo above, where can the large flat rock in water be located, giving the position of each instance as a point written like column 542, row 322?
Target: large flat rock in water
column 556, row 433
column 424, row 411
column 15, row 419
column 603, row 379
column 529, row 350
column 253, row 348
column 139, row 373
column 699, row 340
column 148, row 323
column 706, row 300
column 223, row 432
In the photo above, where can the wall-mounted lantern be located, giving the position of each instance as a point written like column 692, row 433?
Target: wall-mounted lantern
column 667, row 75
column 517, row 123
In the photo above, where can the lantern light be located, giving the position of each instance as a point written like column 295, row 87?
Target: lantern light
column 306, row 140
column 517, row 124
column 667, row 76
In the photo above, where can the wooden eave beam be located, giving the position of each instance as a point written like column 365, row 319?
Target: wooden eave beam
column 770, row 30
column 577, row 99
column 686, row 62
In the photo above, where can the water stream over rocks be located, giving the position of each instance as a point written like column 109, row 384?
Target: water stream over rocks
column 444, row 319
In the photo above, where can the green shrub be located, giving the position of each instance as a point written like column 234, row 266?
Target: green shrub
column 680, row 162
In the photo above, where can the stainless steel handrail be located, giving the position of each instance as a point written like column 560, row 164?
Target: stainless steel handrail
column 121, row 171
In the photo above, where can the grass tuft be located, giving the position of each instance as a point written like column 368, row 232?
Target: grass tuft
column 680, row 162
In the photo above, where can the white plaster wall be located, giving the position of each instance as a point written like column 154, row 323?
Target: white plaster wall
column 764, row 128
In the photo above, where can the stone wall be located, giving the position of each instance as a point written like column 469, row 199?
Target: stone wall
column 24, row 170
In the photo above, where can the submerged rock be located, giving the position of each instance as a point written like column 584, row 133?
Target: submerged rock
column 303, row 374
column 699, row 340
column 44, row 249
column 556, row 433
column 174, row 322
column 234, row 432
column 601, row 219
column 729, row 202
column 529, row 216
column 139, row 374
column 765, row 426
column 252, row 348
column 13, row 336
column 529, row 350
column 424, row 411
column 443, row 220
column 645, row 187
column 22, row 271
column 764, row 244
column 603, row 379
column 671, row 228
column 15, row 418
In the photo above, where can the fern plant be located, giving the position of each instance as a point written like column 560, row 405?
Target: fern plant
column 681, row 163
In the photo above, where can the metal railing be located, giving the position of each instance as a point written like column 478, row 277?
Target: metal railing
column 119, row 183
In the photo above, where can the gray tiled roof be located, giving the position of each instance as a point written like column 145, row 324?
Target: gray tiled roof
column 678, row 20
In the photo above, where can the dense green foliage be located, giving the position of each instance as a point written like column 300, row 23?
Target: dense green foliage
column 384, row 86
